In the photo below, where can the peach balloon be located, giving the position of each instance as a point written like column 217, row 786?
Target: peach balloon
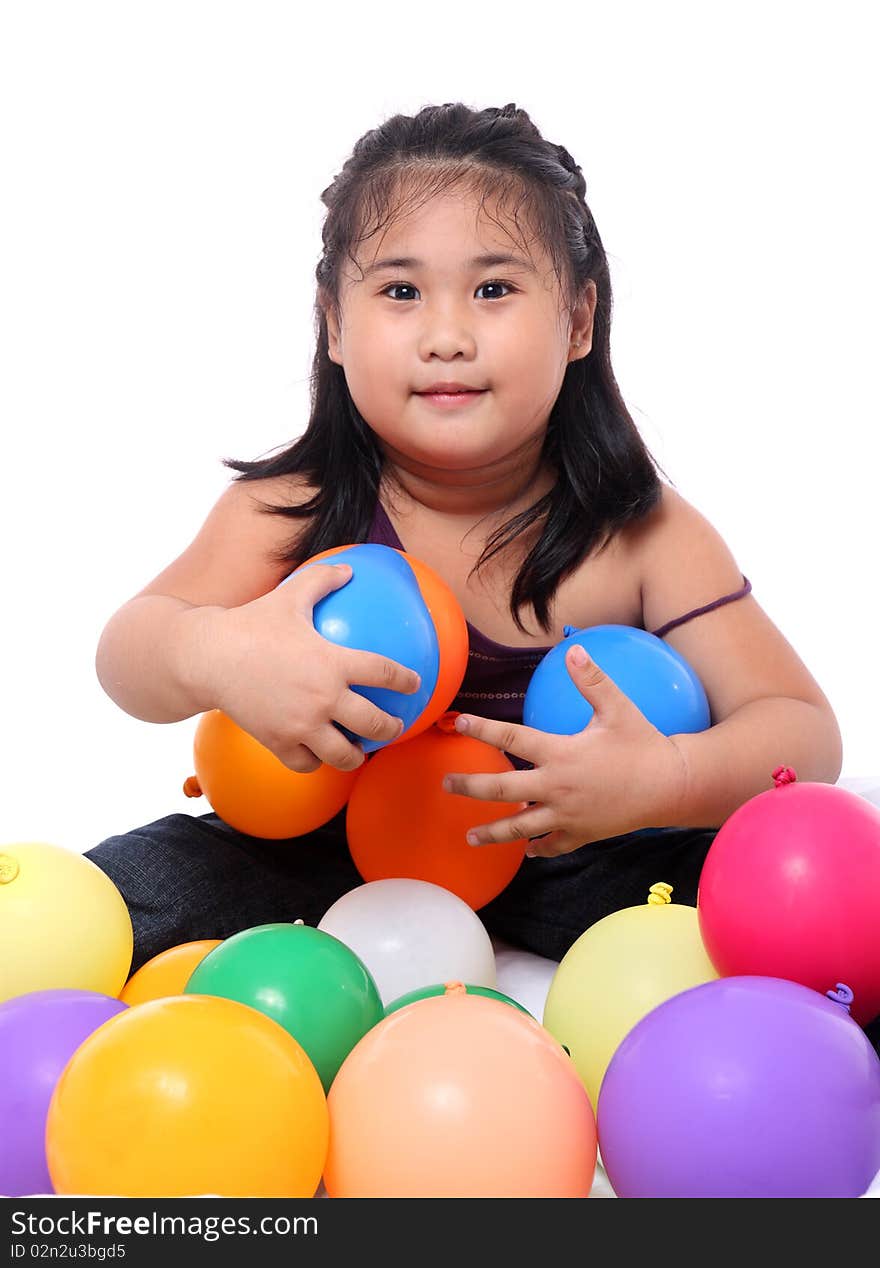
column 252, row 790
column 401, row 822
column 167, row 973
column 191, row 1095
column 459, row 1096
column 452, row 637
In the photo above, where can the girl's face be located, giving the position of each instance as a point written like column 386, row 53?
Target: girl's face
column 442, row 317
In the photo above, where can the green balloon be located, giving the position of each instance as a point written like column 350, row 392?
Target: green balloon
column 303, row 978
column 425, row 992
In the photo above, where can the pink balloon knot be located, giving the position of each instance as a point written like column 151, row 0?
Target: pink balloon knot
column 454, row 988
column 783, row 775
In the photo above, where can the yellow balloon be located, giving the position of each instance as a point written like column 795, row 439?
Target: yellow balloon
column 63, row 923
column 167, row 973
column 192, row 1095
column 618, row 970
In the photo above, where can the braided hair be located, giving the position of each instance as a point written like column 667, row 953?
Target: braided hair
column 605, row 475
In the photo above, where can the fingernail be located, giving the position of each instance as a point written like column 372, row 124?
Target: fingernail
column 473, row 839
column 530, row 854
column 578, row 655
column 462, row 724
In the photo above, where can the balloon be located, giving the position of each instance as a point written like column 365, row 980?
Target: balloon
column 442, row 988
column 380, row 609
column 167, row 973
column 452, row 638
column 459, row 1097
column 304, row 979
column 617, row 971
column 63, row 923
column 411, row 934
column 39, row 1032
column 657, row 679
column 253, row 791
column 742, row 1087
column 401, row 822
column 187, row 1096
column 791, row 888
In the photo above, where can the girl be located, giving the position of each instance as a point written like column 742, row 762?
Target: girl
column 463, row 407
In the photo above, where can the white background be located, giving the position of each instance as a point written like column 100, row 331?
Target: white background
column 160, row 219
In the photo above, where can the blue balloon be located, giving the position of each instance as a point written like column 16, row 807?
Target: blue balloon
column 659, row 681
column 380, row 609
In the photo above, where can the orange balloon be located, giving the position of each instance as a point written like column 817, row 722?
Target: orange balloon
column 193, row 1095
column 252, row 790
column 459, row 1096
column 452, row 638
column 167, row 973
column 401, row 822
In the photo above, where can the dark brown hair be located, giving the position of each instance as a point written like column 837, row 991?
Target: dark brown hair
column 606, row 475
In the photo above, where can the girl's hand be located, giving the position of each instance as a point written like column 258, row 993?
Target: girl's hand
column 617, row 775
column 283, row 683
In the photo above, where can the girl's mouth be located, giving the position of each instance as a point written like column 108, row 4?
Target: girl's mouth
column 450, row 400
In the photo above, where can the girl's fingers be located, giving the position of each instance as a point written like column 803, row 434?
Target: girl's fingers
column 369, row 669
column 514, row 785
column 526, row 823
column 331, row 746
column 360, row 716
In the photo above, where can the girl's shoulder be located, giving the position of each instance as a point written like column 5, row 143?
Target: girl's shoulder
column 235, row 555
column 682, row 560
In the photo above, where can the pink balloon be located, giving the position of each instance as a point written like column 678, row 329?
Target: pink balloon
column 791, row 889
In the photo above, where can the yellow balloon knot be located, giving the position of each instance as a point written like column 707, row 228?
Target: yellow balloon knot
column 659, row 894
column 192, row 787
column 454, row 988
column 8, row 868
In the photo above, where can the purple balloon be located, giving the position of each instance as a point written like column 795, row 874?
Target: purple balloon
column 39, row 1033
column 743, row 1087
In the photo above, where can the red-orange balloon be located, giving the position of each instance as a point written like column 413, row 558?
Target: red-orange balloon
column 252, row 790
column 401, row 822
column 452, row 638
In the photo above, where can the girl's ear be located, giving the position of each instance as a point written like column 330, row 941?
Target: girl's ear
column 333, row 339
column 582, row 323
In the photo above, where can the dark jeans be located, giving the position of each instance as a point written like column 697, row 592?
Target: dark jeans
column 189, row 877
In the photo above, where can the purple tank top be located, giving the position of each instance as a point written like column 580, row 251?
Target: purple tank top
column 497, row 676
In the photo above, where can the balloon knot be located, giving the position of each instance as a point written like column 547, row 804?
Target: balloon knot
column 192, row 787
column 783, row 775
column 446, row 722
column 659, row 894
column 842, row 995
column 454, row 988
column 568, row 630
column 8, row 868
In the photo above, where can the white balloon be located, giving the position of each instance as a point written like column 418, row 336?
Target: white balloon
column 411, row 934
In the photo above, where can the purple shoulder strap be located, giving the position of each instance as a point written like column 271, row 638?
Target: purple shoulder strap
column 727, row 598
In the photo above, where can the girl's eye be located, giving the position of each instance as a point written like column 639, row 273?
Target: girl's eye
column 407, row 286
